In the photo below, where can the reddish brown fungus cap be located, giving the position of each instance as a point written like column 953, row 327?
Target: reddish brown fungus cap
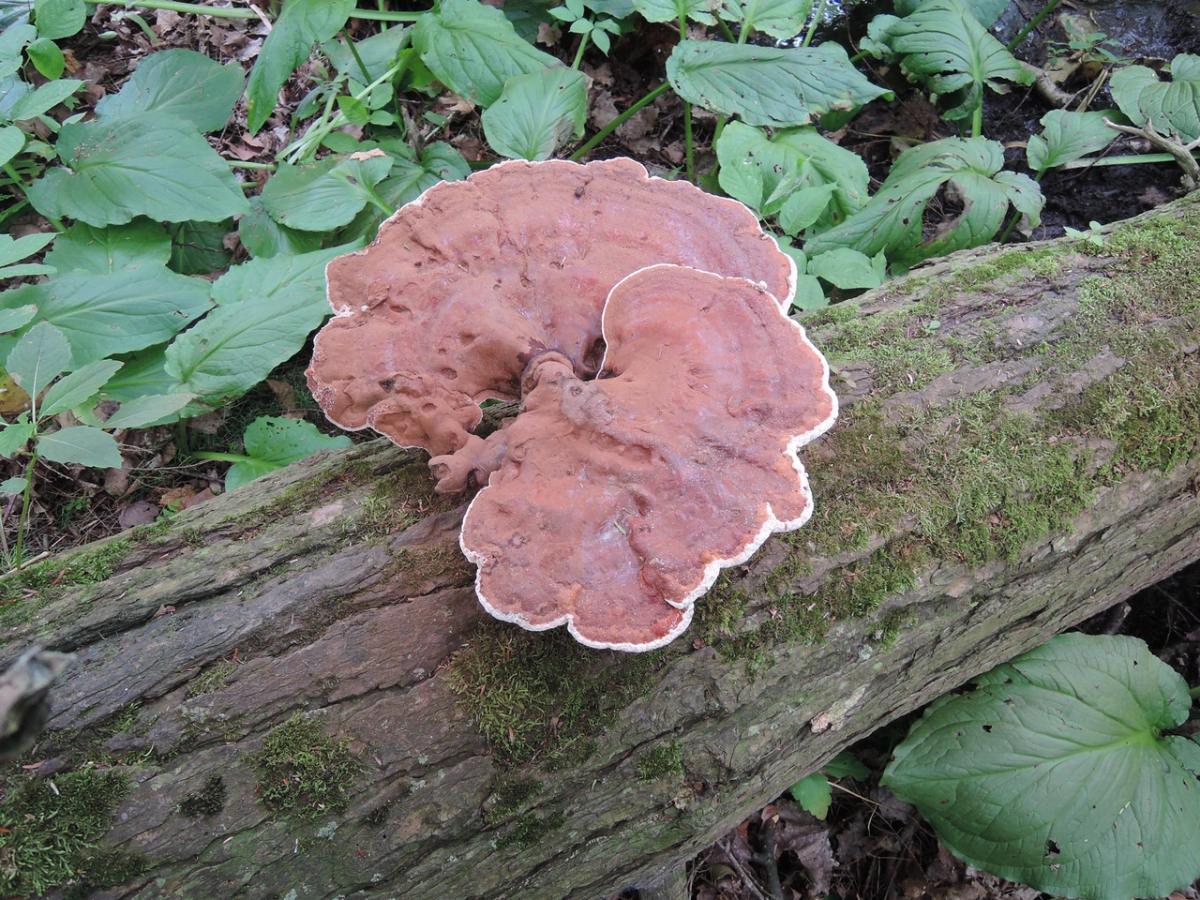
column 467, row 284
column 618, row 500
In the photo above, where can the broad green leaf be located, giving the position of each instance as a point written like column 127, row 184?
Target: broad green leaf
column 803, row 207
column 43, row 99
column 301, row 25
column 198, row 248
column 324, row 195
column 12, row 141
column 13, row 439
column 813, row 793
column 846, row 765
column 13, row 11
column 14, row 250
column 59, row 18
column 82, row 248
column 848, row 269
column 537, row 113
column 149, row 410
column 78, row 387
column 81, row 444
column 180, row 83
column 262, row 236
column 143, row 375
column 701, row 11
column 150, row 165
column 775, row 86
column 1055, row 771
column 17, row 317
column 986, row 11
column 755, row 168
column 47, row 58
column 272, row 443
column 266, row 310
column 101, row 315
column 1172, row 107
column 1067, row 136
column 946, row 48
column 473, row 50
column 893, row 220
column 26, row 269
column 407, row 181
column 809, row 294
column 378, row 53
column 13, row 40
column 780, row 19
column 15, row 485
column 39, row 356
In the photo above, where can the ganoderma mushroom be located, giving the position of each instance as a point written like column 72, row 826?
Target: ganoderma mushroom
column 664, row 390
column 619, row 499
column 466, row 284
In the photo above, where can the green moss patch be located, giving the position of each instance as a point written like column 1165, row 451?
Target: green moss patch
column 661, row 761
column 302, row 771
column 510, row 796
column 23, row 593
column 211, row 679
column 531, row 829
column 208, row 801
column 544, row 695
column 50, row 830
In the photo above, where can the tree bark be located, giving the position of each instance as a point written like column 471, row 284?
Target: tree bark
column 1017, row 450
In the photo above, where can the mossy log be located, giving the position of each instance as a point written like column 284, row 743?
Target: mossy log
column 291, row 691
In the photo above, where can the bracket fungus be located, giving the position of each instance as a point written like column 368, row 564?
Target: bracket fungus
column 664, row 391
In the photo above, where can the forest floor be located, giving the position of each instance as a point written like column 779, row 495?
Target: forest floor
column 871, row 845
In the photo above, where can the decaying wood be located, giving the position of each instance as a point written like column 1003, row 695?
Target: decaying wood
column 335, row 588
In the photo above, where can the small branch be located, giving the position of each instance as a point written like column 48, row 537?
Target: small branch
column 1181, row 153
column 747, row 878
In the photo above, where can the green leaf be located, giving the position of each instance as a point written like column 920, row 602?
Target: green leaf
column 378, row 53
column 1055, row 772
column 263, row 236
column 150, row 165
column 14, row 485
column 813, row 793
column 324, row 195
column 129, row 309
column 59, row 18
column 893, row 220
column 809, row 294
column 266, row 310
column 149, row 410
column 143, row 375
column 301, row 24
column 18, row 317
column 846, row 765
column 1067, row 136
column 946, row 48
column 14, row 250
column 1171, row 107
column 986, row 11
column 537, row 113
column 78, row 387
column 180, row 83
column 755, row 168
column 780, row 19
column 803, row 207
column 44, row 98
column 46, row 58
column 80, row 444
column 82, row 248
column 198, row 248
column 12, row 141
column 13, row 439
column 672, row 10
column 40, row 356
column 13, row 40
column 848, row 269
column 773, row 86
column 473, row 49
column 272, row 443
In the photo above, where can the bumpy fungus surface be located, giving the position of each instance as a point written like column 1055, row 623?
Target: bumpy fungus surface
column 619, row 499
column 468, row 283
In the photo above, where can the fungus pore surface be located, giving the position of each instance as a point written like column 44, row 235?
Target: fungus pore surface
column 619, row 499
column 466, row 284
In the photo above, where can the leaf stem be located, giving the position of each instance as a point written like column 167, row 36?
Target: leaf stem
column 362, row 67
column 1016, row 216
column 1033, row 23
column 977, row 117
column 26, row 498
column 688, row 143
column 583, row 42
column 1194, row 693
column 725, row 30
column 818, row 16
column 616, row 123
column 223, row 457
column 246, row 164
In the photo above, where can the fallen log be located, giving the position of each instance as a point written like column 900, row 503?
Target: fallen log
column 291, row 691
